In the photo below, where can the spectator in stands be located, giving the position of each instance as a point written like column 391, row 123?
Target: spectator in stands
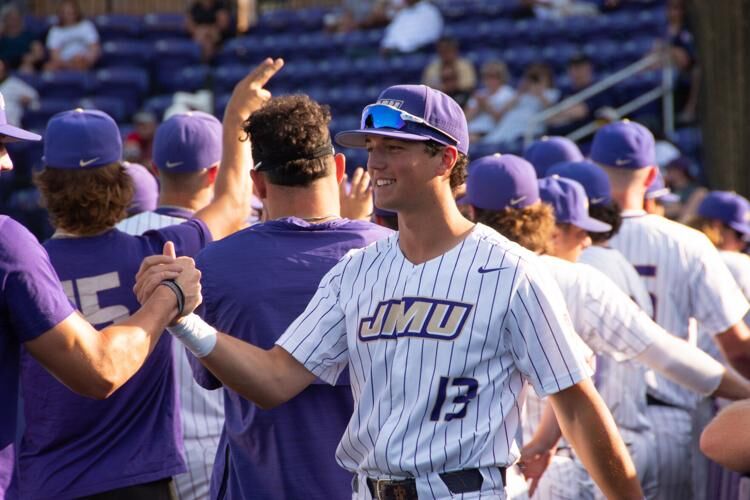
column 358, row 14
column 209, row 23
column 18, row 95
column 681, row 176
column 535, row 92
column 137, row 146
column 581, row 75
column 19, row 48
column 74, row 42
column 557, row 9
column 451, row 85
column 488, row 103
column 448, row 55
column 682, row 54
column 417, row 24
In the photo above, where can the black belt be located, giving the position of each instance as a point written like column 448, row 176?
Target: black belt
column 652, row 401
column 461, row 481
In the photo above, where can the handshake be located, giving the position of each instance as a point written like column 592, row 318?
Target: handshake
column 180, row 275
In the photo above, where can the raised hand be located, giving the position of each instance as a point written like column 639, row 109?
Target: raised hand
column 249, row 94
column 356, row 202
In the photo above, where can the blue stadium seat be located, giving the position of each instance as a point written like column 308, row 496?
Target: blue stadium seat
column 118, row 26
column 164, row 25
column 220, row 104
column 66, row 84
column 188, row 79
column 175, row 53
column 115, row 107
column 36, row 116
column 557, row 55
column 226, row 77
column 128, row 84
column 125, row 53
column 158, row 104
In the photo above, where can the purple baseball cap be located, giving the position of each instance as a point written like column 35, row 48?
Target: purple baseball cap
column 658, row 190
column 568, row 199
column 81, row 139
column 145, row 189
column 501, row 181
column 594, row 180
column 548, row 151
column 9, row 133
column 727, row 207
column 412, row 113
column 623, row 144
column 187, row 142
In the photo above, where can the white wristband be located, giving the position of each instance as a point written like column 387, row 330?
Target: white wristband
column 195, row 334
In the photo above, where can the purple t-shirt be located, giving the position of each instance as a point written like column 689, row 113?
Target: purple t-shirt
column 255, row 283
column 31, row 302
column 74, row 446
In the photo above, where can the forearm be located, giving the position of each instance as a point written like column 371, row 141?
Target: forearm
column 735, row 345
column 587, row 424
column 233, row 186
column 548, row 432
column 268, row 378
column 726, row 439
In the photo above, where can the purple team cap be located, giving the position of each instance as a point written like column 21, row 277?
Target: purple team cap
column 594, row 180
column 9, row 133
column 548, row 151
column 501, row 181
column 624, row 144
column 145, row 189
column 81, row 139
column 412, row 113
column 727, row 207
column 659, row 191
column 188, row 142
column 568, row 199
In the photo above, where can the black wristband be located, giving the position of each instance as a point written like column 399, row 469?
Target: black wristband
column 177, row 289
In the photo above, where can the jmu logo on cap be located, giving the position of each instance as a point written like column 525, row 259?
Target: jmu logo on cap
column 396, row 103
column 415, row 317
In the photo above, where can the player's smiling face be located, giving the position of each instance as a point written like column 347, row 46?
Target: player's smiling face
column 399, row 171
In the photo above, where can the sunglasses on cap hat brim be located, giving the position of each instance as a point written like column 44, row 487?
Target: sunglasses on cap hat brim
column 388, row 121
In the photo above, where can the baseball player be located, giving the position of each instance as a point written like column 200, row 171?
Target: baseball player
column 186, row 152
column 658, row 196
column 145, row 188
column 36, row 313
column 686, row 279
column 440, row 326
column 503, row 190
column 87, row 191
column 549, row 151
column 287, row 452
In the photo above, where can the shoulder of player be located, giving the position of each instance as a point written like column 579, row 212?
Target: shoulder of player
column 685, row 238
column 488, row 236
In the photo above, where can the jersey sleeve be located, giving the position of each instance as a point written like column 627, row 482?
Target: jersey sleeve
column 189, row 238
column 317, row 338
column 610, row 322
column 32, row 291
column 716, row 301
column 541, row 334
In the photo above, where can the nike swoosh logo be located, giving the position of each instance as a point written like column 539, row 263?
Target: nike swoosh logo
column 619, row 162
column 86, row 163
column 173, row 164
column 516, row 201
column 484, row 270
column 594, row 201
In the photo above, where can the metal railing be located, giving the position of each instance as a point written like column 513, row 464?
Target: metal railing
column 663, row 91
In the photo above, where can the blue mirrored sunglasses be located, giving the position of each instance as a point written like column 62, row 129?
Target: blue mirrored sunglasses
column 377, row 116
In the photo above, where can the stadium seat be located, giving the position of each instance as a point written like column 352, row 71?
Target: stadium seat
column 114, row 106
column 164, row 25
column 118, row 26
column 125, row 53
column 175, row 53
column 158, row 105
column 36, row 116
column 188, row 79
column 66, row 84
column 128, row 84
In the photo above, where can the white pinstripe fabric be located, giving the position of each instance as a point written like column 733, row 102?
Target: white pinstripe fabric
column 201, row 411
column 516, row 329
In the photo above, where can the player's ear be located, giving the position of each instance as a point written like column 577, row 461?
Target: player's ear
column 449, row 158
column 211, row 173
column 340, row 161
column 651, row 175
column 259, row 184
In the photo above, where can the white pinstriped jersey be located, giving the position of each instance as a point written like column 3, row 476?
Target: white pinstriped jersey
column 621, row 384
column 686, row 278
column 437, row 352
column 201, row 410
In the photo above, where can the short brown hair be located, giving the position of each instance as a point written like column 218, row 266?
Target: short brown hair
column 707, row 227
column 530, row 227
column 460, row 169
column 87, row 201
column 295, row 125
column 609, row 213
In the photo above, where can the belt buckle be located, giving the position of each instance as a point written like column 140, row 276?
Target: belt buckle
column 387, row 489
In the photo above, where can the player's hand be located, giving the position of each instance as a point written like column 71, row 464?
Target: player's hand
column 356, row 202
column 533, row 462
column 157, row 268
column 249, row 94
